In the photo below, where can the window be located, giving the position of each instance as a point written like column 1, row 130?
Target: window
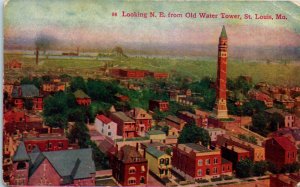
column 215, row 160
column 167, row 171
column 50, row 145
column 162, row 161
column 167, row 161
column 108, row 126
column 109, row 133
column 223, row 168
column 200, row 162
column 143, row 169
column 131, row 180
column 161, row 171
column 60, row 145
column 199, row 172
column 132, row 170
column 215, row 170
column 21, row 165
column 207, row 161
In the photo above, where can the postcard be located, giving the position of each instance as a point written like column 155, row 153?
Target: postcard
column 151, row 93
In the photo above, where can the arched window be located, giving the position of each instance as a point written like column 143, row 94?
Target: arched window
column 142, row 181
column 21, row 165
column 132, row 170
column 131, row 180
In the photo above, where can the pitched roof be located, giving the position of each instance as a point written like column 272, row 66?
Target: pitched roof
column 174, row 119
column 285, row 143
column 69, row 164
column 155, row 152
column 27, row 91
column 122, row 116
column 139, row 113
column 223, row 33
column 197, row 147
column 21, row 153
column 80, row 94
column 129, row 154
column 104, row 119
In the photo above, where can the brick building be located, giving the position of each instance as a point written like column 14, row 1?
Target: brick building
column 126, row 125
column 160, row 105
column 129, row 167
column 288, row 118
column 67, row 167
column 130, row 73
column 257, row 153
column 143, row 120
column 175, row 122
column 82, row 98
column 234, row 154
column 27, row 92
column 196, row 161
column 280, row 151
column 190, row 118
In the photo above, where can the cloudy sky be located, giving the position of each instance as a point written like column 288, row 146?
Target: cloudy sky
column 89, row 23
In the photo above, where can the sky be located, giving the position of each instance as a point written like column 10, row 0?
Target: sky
column 90, row 23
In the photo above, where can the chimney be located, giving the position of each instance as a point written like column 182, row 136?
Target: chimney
column 37, row 56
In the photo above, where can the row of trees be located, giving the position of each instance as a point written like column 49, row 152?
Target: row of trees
column 248, row 168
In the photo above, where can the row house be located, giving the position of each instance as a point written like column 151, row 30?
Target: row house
column 27, row 92
column 194, row 161
column 52, row 87
column 234, row 154
column 129, row 167
column 257, row 153
column 173, row 121
column 82, row 98
column 259, row 96
column 159, row 105
column 190, row 118
column 45, row 142
column 106, row 126
column 159, row 162
column 142, row 119
column 126, row 125
column 288, row 118
column 55, row 168
column 280, row 151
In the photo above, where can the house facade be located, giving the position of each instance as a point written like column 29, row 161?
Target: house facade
column 129, row 167
column 159, row 162
column 198, row 162
column 143, row 120
column 280, row 151
column 126, row 125
column 158, row 105
column 106, row 126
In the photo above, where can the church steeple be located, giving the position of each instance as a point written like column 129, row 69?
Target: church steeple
column 223, row 33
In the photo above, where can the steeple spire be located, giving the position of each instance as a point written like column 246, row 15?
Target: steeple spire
column 223, row 33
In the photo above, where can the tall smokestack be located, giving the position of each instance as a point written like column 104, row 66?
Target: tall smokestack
column 37, row 56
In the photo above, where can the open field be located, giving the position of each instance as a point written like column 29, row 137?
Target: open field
column 274, row 73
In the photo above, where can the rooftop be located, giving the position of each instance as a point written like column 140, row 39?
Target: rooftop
column 195, row 147
column 155, row 132
column 80, row 94
column 174, row 119
column 25, row 90
column 122, row 116
column 104, row 119
column 155, row 152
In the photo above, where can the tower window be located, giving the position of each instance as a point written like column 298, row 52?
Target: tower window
column 21, row 165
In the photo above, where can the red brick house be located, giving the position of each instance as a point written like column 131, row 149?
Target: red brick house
column 129, row 167
column 159, row 75
column 82, row 98
column 46, row 142
column 190, row 118
column 234, row 154
column 280, row 151
column 160, row 105
column 126, row 125
column 142, row 119
column 131, row 73
column 56, row 168
column 175, row 122
column 198, row 162
column 27, row 92
column 268, row 101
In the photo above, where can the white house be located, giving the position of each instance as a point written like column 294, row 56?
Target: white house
column 106, row 126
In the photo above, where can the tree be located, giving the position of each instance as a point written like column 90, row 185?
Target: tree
column 78, row 83
column 194, row 134
column 276, row 121
column 259, row 168
column 242, row 84
column 259, row 122
column 100, row 159
column 291, row 168
column 80, row 133
column 56, row 110
column 244, row 168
